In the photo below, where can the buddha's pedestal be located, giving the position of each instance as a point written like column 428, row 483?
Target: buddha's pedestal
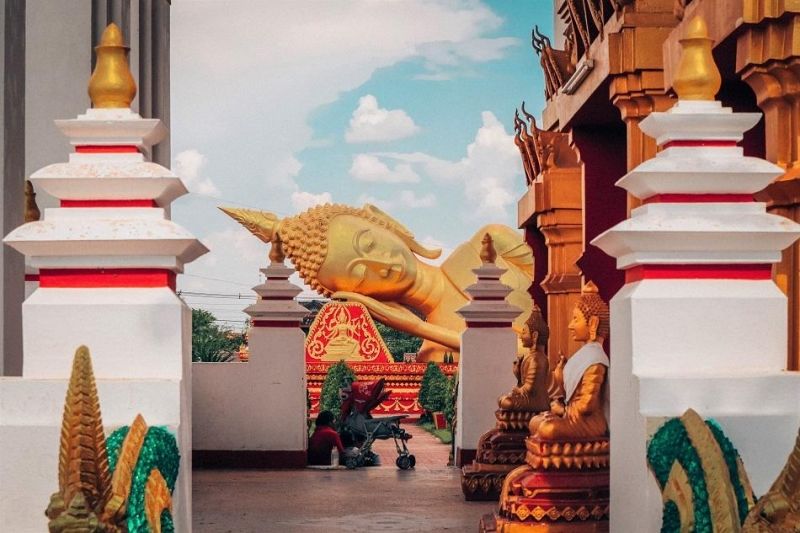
column 500, row 450
column 563, row 487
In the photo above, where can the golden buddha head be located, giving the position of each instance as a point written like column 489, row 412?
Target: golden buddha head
column 535, row 331
column 336, row 248
column 590, row 316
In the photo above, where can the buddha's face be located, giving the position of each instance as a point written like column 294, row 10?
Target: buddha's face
column 579, row 326
column 366, row 258
column 525, row 336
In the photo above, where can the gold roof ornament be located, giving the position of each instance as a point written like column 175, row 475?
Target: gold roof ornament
column 111, row 84
column 698, row 77
column 488, row 253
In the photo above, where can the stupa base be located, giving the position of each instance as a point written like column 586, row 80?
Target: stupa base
column 499, row 452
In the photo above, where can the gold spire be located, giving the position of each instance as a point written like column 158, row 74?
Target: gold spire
column 111, row 84
column 590, row 288
column 698, row 77
column 488, row 253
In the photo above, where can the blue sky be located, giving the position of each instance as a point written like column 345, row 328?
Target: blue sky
column 407, row 104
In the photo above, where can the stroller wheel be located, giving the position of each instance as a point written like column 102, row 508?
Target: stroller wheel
column 351, row 463
column 412, row 460
column 404, row 462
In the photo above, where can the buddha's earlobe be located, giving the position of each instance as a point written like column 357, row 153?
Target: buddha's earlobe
column 534, row 339
column 594, row 322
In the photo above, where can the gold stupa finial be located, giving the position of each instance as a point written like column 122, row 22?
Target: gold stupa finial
column 698, row 77
column 111, row 84
column 276, row 254
column 488, row 253
column 590, row 288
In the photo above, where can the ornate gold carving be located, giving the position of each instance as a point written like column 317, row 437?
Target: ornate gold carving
column 557, row 65
column 679, row 490
column 121, row 481
column 541, row 150
column 778, row 511
column 83, row 462
column 111, row 84
column 698, row 77
column 157, row 499
column 366, row 256
column 567, row 455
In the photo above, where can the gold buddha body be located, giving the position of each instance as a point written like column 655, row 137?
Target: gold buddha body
column 580, row 414
column 530, row 368
column 366, row 256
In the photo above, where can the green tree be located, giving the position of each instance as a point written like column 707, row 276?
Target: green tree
column 398, row 342
column 450, row 400
column 338, row 377
column 210, row 342
column 433, row 389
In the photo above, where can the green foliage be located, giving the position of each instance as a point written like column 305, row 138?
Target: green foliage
column 210, row 342
column 398, row 342
column 450, row 400
column 433, row 389
column 338, row 377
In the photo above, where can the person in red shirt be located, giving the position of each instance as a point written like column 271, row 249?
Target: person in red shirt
column 324, row 439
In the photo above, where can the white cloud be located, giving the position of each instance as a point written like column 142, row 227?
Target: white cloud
column 489, row 171
column 371, row 123
column 302, row 200
column 445, row 60
column 405, row 199
column 187, row 165
column 368, row 167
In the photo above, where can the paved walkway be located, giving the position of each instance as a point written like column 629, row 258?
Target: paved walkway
column 379, row 499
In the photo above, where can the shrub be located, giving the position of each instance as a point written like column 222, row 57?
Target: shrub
column 338, row 377
column 211, row 343
column 450, row 400
column 433, row 389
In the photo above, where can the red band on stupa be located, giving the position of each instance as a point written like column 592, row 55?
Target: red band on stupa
column 697, row 198
column 276, row 324
column 741, row 272
column 699, row 142
column 109, row 203
column 32, row 277
column 107, row 149
column 92, row 278
column 488, row 324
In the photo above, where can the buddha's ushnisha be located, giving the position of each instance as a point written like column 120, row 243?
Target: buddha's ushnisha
column 362, row 254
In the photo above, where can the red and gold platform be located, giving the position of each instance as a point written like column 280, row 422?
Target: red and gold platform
column 345, row 331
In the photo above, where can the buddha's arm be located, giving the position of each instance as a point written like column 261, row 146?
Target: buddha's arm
column 398, row 317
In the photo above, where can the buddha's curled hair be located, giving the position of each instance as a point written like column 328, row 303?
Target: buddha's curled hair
column 590, row 304
column 536, row 323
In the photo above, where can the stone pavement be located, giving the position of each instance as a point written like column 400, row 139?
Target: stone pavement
column 427, row 498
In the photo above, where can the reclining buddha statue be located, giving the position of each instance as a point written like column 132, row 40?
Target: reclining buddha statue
column 362, row 254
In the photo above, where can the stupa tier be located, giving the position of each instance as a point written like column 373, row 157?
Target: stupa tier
column 699, row 323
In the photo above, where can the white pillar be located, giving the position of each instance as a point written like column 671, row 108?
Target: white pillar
column 699, row 323
column 253, row 415
column 488, row 346
column 107, row 261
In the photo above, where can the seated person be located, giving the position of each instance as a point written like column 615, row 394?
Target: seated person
column 324, row 439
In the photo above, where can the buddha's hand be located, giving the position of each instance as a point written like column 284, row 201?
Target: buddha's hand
column 557, row 408
column 393, row 315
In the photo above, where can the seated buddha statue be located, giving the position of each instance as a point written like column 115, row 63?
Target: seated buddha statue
column 582, row 415
column 530, row 368
column 362, row 254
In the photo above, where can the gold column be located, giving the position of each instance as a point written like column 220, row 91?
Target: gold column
column 559, row 216
column 768, row 60
column 560, row 219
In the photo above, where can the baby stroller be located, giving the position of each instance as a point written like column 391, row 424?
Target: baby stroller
column 358, row 426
